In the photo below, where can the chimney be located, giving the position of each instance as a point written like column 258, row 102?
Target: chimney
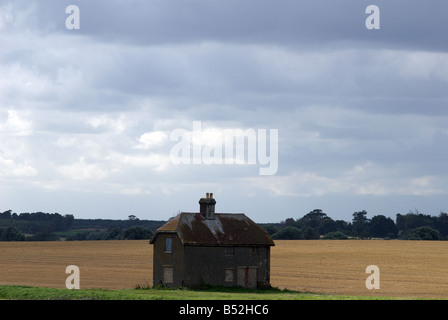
column 207, row 206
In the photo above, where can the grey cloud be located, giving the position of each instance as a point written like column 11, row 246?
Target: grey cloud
column 405, row 24
column 344, row 99
column 234, row 69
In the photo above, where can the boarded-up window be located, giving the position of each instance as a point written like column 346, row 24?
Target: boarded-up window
column 229, row 275
column 229, row 251
column 168, row 244
column 253, row 251
column 168, row 274
column 247, row 277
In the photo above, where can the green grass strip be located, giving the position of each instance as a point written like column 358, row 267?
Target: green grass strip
column 139, row 293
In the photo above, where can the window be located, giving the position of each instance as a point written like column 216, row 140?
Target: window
column 229, row 251
column 229, row 275
column 168, row 274
column 168, row 245
column 253, row 251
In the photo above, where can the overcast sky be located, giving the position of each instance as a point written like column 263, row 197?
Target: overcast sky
column 86, row 115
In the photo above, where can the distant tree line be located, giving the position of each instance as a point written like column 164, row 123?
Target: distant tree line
column 32, row 226
column 36, row 221
column 116, row 233
column 316, row 225
column 39, row 226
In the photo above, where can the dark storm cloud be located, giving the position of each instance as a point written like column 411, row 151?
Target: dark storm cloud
column 404, row 24
column 295, row 52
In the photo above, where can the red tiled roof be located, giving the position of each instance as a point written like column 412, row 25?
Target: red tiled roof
column 226, row 230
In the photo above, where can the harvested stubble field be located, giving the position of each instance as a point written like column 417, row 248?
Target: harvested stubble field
column 407, row 268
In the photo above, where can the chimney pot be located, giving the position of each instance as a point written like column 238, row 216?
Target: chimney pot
column 207, row 206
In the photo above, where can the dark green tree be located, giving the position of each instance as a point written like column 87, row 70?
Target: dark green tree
column 271, row 229
column 327, row 225
column 310, row 233
column 413, row 220
column 137, row 233
column 442, row 224
column 288, row 233
column 343, row 226
column 336, row 235
column 360, row 217
column 318, row 221
column 360, row 224
column 313, row 219
column 421, row 233
column 11, row 234
column 114, row 234
column 6, row 214
column 381, row 226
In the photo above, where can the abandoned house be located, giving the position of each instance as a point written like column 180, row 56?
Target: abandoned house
column 211, row 248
